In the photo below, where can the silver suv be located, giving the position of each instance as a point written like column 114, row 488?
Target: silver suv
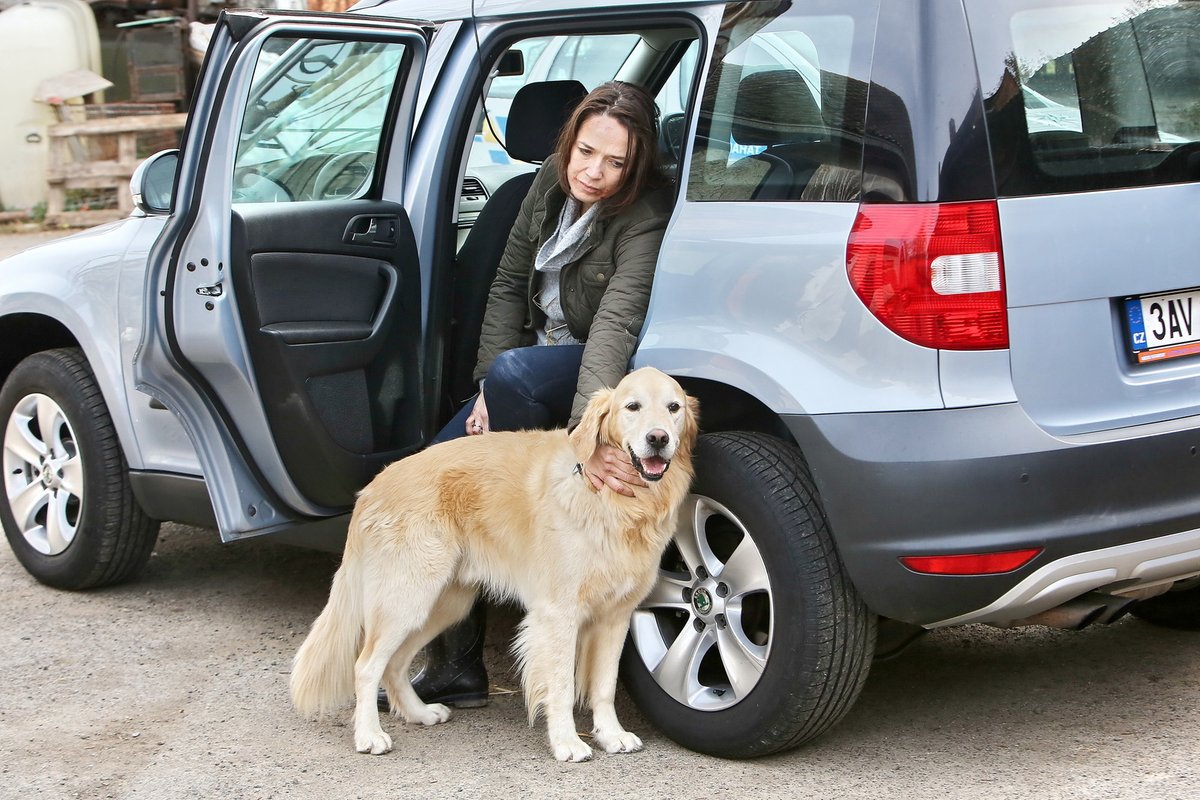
column 931, row 271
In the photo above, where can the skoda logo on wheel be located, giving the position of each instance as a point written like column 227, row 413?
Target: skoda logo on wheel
column 702, row 600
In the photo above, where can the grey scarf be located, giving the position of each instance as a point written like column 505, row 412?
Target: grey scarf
column 560, row 249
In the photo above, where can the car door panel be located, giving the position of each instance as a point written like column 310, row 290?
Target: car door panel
column 331, row 329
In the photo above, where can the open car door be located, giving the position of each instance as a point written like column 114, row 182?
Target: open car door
column 283, row 297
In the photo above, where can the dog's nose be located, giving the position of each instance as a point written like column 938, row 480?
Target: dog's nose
column 658, row 438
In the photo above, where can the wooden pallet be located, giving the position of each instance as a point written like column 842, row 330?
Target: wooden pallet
column 71, row 165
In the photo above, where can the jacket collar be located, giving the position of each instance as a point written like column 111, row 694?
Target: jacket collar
column 545, row 218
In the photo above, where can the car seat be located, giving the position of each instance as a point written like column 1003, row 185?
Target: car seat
column 537, row 114
column 775, row 109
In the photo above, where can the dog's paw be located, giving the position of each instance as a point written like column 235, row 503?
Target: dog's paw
column 619, row 742
column 374, row 743
column 572, row 749
column 432, row 714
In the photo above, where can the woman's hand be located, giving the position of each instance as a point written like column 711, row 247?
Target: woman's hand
column 477, row 420
column 610, row 466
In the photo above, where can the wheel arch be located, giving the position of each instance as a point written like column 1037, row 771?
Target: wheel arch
column 734, row 393
column 23, row 333
column 725, row 407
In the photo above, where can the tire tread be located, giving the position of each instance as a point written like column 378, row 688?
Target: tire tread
column 849, row 633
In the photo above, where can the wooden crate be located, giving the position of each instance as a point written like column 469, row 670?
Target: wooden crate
column 70, row 168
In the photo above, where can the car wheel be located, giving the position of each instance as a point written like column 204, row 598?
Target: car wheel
column 1178, row 609
column 753, row 640
column 67, row 507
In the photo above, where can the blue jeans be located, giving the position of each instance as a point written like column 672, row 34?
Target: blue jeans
column 527, row 388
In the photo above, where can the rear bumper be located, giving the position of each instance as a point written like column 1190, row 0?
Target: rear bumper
column 1112, row 513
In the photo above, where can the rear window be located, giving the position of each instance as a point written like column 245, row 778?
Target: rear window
column 1081, row 96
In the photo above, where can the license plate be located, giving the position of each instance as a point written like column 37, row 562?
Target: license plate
column 1164, row 326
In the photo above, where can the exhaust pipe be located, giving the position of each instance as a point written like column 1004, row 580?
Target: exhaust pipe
column 1078, row 613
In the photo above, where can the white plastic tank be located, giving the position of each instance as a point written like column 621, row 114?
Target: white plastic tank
column 39, row 39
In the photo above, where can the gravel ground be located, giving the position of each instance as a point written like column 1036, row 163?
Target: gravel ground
column 175, row 686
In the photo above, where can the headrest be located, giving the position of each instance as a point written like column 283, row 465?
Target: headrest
column 537, row 114
column 775, row 107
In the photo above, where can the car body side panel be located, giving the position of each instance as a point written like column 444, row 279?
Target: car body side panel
column 76, row 281
column 756, row 295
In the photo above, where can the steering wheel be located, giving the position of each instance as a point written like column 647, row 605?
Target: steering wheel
column 343, row 175
column 251, row 186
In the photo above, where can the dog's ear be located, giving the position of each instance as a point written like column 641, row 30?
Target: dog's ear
column 591, row 429
column 691, row 422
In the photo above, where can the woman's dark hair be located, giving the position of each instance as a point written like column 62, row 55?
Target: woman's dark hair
column 633, row 107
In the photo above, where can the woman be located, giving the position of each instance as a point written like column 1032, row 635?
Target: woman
column 564, row 314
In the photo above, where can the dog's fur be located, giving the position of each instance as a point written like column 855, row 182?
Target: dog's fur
column 509, row 513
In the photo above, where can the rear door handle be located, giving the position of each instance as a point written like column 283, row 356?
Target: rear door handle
column 371, row 229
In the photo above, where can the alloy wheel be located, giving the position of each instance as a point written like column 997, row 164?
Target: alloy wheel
column 704, row 631
column 43, row 474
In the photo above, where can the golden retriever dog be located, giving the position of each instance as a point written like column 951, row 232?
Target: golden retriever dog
column 510, row 514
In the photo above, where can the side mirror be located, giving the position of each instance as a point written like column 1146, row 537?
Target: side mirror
column 153, row 182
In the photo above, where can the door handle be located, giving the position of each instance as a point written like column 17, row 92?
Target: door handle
column 370, row 229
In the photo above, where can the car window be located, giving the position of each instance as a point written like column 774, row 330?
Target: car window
column 590, row 59
column 779, row 120
column 672, row 98
column 506, row 86
column 1085, row 95
column 314, row 119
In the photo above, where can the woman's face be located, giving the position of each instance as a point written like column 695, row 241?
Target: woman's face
column 598, row 159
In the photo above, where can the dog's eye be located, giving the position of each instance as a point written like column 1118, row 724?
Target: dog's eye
column 672, row 407
column 633, row 405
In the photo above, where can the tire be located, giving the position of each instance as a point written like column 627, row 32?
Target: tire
column 1176, row 609
column 753, row 560
column 67, row 508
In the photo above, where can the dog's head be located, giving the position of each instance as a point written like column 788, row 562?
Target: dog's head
column 647, row 414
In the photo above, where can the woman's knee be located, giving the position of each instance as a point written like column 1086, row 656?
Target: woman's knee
column 509, row 374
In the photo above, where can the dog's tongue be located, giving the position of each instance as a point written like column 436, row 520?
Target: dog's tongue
column 653, row 465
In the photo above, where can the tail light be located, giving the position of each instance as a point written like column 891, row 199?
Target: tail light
column 932, row 273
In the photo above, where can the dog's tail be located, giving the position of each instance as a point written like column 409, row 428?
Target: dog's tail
column 323, row 670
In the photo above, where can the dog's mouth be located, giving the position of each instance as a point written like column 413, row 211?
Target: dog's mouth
column 652, row 468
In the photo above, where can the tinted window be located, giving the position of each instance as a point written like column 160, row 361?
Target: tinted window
column 1084, row 95
column 314, row 119
column 775, row 122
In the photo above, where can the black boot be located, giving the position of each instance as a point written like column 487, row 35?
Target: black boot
column 454, row 673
